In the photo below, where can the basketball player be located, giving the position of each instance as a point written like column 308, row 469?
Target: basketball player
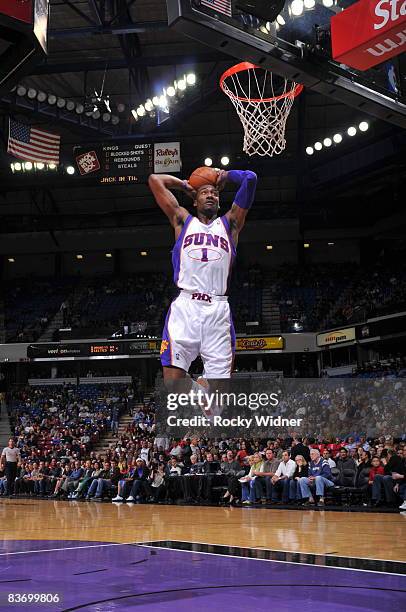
column 199, row 321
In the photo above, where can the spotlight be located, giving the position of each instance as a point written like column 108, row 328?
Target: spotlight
column 170, row 91
column 143, row 253
column 41, row 96
column 280, row 20
column 155, row 101
column 330, row 243
column 70, row 105
column 363, row 126
column 51, row 99
column 32, row 93
column 208, row 161
column 134, row 114
column 182, row 84
column 351, row 131
column 70, row 170
column 328, row 3
column 109, row 255
column 337, row 138
column 11, row 260
column 163, row 101
column 115, row 120
column 309, row 150
column 297, row 7
column 309, row 4
column 61, row 102
column 318, row 146
column 191, row 79
column 269, row 247
column 40, row 166
column 141, row 110
column 96, row 114
column 79, row 256
column 306, row 245
column 51, row 166
column 17, row 167
column 149, row 105
column 21, row 90
column 106, row 117
column 79, row 109
column 28, row 166
column 225, row 160
column 327, row 142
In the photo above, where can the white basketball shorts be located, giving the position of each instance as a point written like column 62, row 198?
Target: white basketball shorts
column 199, row 324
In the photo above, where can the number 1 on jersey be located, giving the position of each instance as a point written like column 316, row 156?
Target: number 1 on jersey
column 204, row 255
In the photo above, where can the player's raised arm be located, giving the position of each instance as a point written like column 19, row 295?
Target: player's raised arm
column 246, row 181
column 160, row 185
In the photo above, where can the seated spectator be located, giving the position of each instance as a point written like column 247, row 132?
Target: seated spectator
column 280, row 481
column 319, row 478
column 156, row 483
column 346, row 466
column 263, row 482
column 298, row 448
column 104, row 482
column 383, row 486
column 140, row 477
column 301, row 471
column 84, row 481
column 126, row 480
column 72, row 481
column 231, row 468
column 249, row 495
column 327, row 457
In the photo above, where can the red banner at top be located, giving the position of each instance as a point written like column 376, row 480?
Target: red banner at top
column 17, row 9
column 369, row 33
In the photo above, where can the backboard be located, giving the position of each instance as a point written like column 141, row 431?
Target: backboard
column 297, row 47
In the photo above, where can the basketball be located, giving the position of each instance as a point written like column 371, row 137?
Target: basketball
column 203, row 176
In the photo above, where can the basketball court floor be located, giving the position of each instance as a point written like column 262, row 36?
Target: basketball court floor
column 105, row 557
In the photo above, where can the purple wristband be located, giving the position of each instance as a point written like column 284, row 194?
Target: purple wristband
column 247, row 181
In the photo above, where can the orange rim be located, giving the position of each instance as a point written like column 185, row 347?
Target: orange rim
column 241, row 67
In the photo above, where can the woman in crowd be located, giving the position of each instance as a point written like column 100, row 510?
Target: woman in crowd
column 248, row 489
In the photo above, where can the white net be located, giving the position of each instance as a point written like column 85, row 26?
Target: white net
column 263, row 102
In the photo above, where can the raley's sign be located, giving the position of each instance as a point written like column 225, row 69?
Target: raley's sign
column 369, row 33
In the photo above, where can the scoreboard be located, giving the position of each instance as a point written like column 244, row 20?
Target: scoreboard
column 127, row 162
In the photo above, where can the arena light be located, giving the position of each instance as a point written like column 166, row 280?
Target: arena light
column 80, row 109
column 171, row 91
column 115, row 120
column 21, row 91
column 109, row 255
column 39, row 166
column 327, row 142
column 191, row 79
column 149, row 106
column 330, row 244
column 328, row 3
column 120, row 107
column 208, row 161
column 309, row 4
column 106, row 117
column 96, row 114
column 351, row 131
column 52, row 99
column 297, row 8
column 225, row 160
column 143, row 253
column 28, row 166
column 31, row 93
column 16, row 167
column 363, row 126
column 51, row 166
column 269, row 247
column 41, row 96
column 11, row 260
column 79, row 256
column 155, row 100
column 182, row 84
column 141, row 110
column 306, row 245
column 337, row 138
column 309, row 150
column 318, row 146
column 134, row 114
column 70, row 170
column 280, row 20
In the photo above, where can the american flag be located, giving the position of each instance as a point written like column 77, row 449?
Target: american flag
column 221, row 6
column 31, row 144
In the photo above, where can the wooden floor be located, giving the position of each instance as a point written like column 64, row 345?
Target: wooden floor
column 367, row 535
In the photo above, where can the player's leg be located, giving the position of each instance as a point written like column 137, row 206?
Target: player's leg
column 218, row 341
column 180, row 340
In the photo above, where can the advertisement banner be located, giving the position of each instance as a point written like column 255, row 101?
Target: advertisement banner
column 336, row 337
column 369, row 32
column 261, row 343
column 167, row 157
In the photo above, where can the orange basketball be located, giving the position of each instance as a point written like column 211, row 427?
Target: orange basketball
column 203, row 176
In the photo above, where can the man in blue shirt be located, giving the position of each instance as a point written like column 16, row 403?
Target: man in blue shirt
column 319, row 477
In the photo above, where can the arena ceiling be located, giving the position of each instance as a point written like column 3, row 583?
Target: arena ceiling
column 123, row 51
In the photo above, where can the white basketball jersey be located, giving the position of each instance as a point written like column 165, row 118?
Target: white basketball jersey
column 203, row 255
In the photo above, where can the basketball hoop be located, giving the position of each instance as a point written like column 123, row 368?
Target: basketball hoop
column 263, row 102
